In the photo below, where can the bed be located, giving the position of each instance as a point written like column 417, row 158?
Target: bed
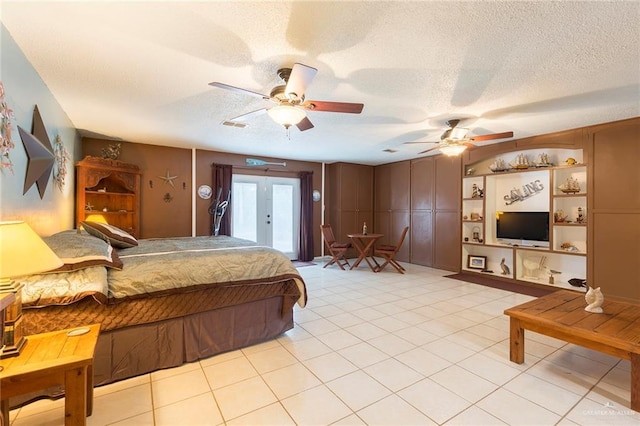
column 162, row 302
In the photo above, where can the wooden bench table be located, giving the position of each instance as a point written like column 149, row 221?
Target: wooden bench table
column 53, row 359
column 561, row 315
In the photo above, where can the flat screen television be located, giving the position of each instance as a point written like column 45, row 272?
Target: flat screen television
column 523, row 228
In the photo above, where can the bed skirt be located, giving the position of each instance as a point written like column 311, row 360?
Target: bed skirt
column 140, row 349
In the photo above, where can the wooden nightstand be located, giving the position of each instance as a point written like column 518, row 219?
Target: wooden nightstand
column 59, row 358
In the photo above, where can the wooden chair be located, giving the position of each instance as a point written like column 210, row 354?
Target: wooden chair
column 388, row 252
column 336, row 249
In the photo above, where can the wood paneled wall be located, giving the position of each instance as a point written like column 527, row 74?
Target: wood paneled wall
column 613, row 210
column 165, row 209
column 163, row 218
column 423, row 194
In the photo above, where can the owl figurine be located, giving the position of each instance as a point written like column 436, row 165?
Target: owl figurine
column 594, row 299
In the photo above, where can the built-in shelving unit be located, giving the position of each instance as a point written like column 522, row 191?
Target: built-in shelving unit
column 110, row 188
column 533, row 188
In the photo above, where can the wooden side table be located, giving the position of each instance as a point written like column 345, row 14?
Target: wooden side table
column 561, row 315
column 59, row 358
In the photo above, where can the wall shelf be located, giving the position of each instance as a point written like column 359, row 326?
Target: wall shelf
column 528, row 264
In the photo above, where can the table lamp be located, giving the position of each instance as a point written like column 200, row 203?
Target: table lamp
column 22, row 252
column 96, row 218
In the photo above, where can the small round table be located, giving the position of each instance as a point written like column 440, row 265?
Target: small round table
column 364, row 244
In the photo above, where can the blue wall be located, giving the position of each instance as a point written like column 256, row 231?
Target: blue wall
column 24, row 89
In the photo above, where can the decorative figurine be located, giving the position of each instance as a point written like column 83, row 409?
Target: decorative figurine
column 553, row 272
column 594, row 299
column 505, row 268
column 560, row 216
column 571, row 186
column 499, row 166
column 112, row 152
column 533, row 266
column 521, row 162
column 569, row 247
column 578, row 282
column 580, row 218
column 543, row 160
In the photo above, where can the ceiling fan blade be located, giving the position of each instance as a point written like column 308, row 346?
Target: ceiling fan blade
column 493, row 136
column 304, row 124
column 248, row 115
column 301, row 76
column 238, row 90
column 429, row 150
column 417, row 142
column 333, row 106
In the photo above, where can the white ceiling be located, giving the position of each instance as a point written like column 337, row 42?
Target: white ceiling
column 139, row 71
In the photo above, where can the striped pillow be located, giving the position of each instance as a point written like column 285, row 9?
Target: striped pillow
column 111, row 234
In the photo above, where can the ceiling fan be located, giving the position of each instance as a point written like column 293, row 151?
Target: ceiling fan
column 454, row 140
column 291, row 105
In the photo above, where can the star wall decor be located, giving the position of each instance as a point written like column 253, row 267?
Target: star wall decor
column 40, row 155
column 167, row 178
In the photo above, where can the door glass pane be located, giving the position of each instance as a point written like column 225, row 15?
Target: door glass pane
column 283, row 220
column 245, row 212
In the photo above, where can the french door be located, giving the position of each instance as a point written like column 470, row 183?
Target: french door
column 267, row 210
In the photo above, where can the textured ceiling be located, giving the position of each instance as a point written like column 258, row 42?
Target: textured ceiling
column 139, row 71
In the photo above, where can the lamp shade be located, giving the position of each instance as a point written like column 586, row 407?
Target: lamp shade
column 22, row 251
column 96, row 218
column 451, row 150
column 286, row 115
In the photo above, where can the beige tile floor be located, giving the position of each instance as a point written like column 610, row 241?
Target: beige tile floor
column 377, row 349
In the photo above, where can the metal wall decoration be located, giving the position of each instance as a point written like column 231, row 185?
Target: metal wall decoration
column 528, row 190
column 112, row 152
column 168, row 179
column 39, row 153
column 6, row 144
column 62, row 158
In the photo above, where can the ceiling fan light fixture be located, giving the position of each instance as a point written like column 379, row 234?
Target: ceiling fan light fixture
column 286, row 115
column 457, row 133
column 452, row 149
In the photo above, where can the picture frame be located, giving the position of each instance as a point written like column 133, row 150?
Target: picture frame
column 476, row 262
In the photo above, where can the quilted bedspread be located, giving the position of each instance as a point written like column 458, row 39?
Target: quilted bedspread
column 165, row 264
